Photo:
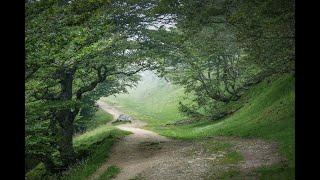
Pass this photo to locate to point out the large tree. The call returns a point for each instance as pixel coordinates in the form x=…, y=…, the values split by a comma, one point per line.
x=75, y=49
x=222, y=46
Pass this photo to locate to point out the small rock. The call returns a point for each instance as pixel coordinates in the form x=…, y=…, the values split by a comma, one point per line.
x=124, y=118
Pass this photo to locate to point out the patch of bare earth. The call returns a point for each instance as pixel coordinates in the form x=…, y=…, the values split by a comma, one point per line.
x=256, y=152
x=147, y=155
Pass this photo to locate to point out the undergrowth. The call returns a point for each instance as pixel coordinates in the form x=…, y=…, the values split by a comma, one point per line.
x=92, y=148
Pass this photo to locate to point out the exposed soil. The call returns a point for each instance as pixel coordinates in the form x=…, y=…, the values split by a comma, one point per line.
x=147, y=155
x=256, y=152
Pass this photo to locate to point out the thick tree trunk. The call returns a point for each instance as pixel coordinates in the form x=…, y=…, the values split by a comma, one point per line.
x=65, y=118
x=47, y=158
x=65, y=134
x=49, y=164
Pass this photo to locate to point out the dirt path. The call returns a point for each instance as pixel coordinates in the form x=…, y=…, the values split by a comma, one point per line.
x=147, y=155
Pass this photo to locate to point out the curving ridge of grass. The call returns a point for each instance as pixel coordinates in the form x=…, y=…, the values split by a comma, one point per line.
x=96, y=144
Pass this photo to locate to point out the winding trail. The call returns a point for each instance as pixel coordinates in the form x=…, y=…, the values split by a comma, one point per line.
x=129, y=154
x=148, y=155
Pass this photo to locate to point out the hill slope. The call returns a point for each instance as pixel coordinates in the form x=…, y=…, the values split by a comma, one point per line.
x=267, y=114
x=154, y=100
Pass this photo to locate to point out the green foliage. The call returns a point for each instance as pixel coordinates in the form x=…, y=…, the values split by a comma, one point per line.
x=99, y=118
x=188, y=111
x=220, y=46
x=266, y=30
x=76, y=51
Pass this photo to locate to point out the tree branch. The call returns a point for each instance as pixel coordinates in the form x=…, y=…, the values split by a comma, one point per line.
x=101, y=76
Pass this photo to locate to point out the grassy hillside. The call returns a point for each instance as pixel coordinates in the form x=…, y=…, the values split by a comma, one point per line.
x=154, y=100
x=268, y=114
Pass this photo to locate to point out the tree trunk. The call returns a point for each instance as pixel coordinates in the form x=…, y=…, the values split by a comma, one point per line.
x=65, y=134
x=49, y=164
x=65, y=118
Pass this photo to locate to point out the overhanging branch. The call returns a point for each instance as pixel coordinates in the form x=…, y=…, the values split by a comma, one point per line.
x=102, y=74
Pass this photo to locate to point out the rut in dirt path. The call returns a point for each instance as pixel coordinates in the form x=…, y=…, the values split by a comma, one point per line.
x=147, y=154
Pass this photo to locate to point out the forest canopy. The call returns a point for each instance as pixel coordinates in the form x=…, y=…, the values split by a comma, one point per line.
x=78, y=51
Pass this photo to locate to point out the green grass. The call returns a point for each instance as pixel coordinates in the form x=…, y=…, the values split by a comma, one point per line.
x=275, y=172
x=213, y=146
x=269, y=113
x=228, y=160
x=232, y=157
x=98, y=143
x=92, y=146
x=154, y=100
x=216, y=147
x=39, y=173
x=100, y=118
x=91, y=137
x=110, y=173
x=230, y=174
